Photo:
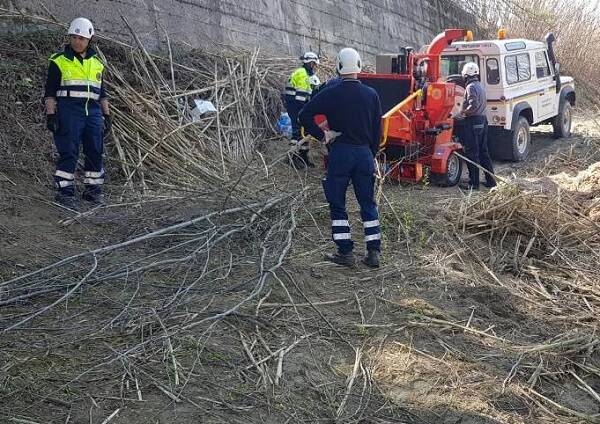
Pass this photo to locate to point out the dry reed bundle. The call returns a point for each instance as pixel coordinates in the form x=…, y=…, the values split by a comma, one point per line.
x=537, y=240
x=540, y=218
x=156, y=138
x=546, y=233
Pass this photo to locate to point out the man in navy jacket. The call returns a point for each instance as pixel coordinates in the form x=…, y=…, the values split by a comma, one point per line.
x=353, y=113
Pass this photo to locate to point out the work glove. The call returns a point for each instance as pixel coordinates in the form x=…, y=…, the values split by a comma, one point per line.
x=107, y=123
x=331, y=135
x=314, y=81
x=52, y=123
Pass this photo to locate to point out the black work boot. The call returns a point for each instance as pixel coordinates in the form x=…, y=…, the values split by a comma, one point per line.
x=468, y=186
x=345, y=259
x=372, y=259
x=490, y=184
x=95, y=198
x=67, y=200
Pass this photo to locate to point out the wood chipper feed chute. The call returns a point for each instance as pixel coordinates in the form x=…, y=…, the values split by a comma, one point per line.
x=417, y=128
x=397, y=121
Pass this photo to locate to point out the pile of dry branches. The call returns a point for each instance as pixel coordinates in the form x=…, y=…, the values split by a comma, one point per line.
x=157, y=140
x=542, y=238
x=544, y=221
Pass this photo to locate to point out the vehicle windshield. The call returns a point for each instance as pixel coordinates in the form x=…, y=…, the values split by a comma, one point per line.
x=452, y=65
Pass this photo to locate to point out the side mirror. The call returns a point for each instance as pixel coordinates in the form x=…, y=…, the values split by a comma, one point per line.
x=557, y=68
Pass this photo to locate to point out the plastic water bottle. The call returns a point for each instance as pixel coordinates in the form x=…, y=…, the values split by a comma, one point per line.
x=284, y=125
x=281, y=123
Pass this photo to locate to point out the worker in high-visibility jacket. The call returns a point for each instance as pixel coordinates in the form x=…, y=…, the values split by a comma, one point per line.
x=297, y=92
x=78, y=114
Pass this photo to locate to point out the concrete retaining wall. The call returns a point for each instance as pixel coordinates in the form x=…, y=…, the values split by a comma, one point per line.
x=286, y=27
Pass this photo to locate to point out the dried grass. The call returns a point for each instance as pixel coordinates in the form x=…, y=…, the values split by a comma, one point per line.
x=576, y=24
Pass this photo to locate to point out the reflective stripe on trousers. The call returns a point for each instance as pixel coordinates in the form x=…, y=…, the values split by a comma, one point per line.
x=76, y=130
x=348, y=163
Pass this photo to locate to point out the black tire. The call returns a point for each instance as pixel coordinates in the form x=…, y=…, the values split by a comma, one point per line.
x=452, y=175
x=499, y=143
x=521, y=140
x=563, y=121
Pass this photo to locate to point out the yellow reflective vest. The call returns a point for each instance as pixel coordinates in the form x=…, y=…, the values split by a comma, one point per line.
x=298, y=85
x=79, y=80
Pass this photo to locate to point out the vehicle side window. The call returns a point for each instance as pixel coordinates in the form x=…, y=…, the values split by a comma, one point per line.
x=492, y=71
x=453, y=64
x=518, y=68
x=542, y=69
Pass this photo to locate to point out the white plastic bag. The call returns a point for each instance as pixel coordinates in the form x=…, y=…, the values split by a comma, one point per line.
x=202, y=107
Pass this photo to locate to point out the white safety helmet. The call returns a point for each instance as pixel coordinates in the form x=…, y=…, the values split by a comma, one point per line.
x=470, y=69
x=82, y=27
x=310, y=57
x=348, y=62
x=314, y=80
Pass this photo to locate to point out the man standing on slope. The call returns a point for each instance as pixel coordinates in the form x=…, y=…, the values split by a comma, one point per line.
x=475, y=128
x=353, y=113
x=297, y=92
x=77, y=113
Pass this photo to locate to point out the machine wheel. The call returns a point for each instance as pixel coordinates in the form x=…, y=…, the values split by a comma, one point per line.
x=452, y=175
x=562, y=122
x=521, y=140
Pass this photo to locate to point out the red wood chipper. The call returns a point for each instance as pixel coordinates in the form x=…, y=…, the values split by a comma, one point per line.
x=417, y=128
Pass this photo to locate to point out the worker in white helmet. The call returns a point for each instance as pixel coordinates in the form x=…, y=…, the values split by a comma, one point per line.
x=297, y=92
x=78, y=114
x=353, y=112
x=474, y=129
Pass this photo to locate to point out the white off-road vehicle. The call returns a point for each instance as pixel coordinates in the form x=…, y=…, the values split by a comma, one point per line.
x=524, y=88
